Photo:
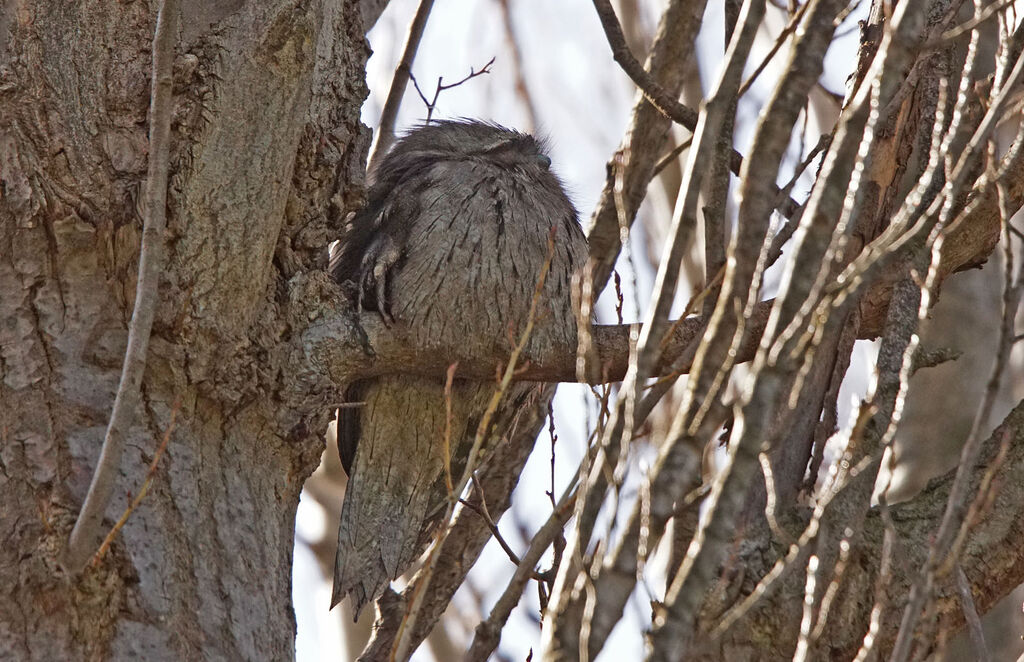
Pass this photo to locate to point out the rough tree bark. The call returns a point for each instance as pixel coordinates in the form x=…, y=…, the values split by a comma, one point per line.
x=266, y=135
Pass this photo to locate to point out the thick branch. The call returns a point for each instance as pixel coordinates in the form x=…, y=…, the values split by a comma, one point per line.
x=990, y=561
x=388, y=350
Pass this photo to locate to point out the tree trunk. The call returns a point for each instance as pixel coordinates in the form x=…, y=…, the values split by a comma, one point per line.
x=265, y=136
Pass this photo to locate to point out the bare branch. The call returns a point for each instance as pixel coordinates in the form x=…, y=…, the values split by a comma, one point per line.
x=774, y=370
x=990, y=558
x=664, y=161
x=522, y=89
x=86, y=531
x=971, y=617
x=481, y=510
x=441, y=87
x=956, y=509
x=971, y=24
x=399, y=82
x=780, y=41
x=669, y=59
x=488, y=633
x=655, y=93
x=98, y=556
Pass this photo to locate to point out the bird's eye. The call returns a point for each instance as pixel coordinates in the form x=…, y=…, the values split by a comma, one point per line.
x=544, y=161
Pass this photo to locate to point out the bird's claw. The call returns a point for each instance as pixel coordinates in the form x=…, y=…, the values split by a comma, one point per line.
x=374, y=277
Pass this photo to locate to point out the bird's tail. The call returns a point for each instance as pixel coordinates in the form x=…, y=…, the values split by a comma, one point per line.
x=396, y=487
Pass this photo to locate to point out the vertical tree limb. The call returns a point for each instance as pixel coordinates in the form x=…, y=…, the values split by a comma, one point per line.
x=385, y=136
x=86, y=530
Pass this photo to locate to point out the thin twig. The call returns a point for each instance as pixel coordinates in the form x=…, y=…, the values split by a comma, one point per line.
x=971, y=617
x=621, y=162
x=558, y=545
x=771, y=507
x=654, y=92
x=787, y=230
x=881, y=596
x=814, y=568
x=825, y=604
x=664, y=161
x=554, y=440
x=956, y=507
x=347, y=405
x=446, y=441
x=522, y=89
x=982, y=503
x=488, y=632
x=399, y=82
x=509, y=552
x=86, y=529
x=150, y=475
x=779, y=42
x=956, y=32
x=843, y=15
x=485, y=514
x=441, y=87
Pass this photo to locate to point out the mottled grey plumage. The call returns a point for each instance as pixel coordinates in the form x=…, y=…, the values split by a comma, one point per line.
x=450, y=245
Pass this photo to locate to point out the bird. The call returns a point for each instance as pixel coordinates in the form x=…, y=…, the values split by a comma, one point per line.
x=461, y=217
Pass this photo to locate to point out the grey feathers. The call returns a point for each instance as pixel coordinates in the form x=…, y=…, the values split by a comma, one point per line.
x=450, y=245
